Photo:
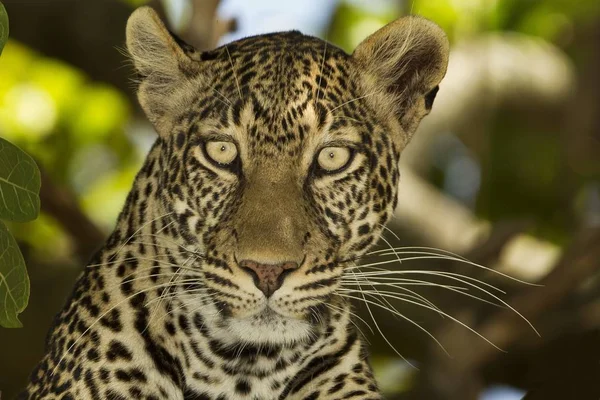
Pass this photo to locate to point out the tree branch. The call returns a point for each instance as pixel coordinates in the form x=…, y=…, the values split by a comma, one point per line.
x=447, y=378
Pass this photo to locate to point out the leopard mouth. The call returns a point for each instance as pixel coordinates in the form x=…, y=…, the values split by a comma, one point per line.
x=269, y=327
x=268, y=315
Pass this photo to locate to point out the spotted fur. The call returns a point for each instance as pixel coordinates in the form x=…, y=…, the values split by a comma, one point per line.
x=166, y=310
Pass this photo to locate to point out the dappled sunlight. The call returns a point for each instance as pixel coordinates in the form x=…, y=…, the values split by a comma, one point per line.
x=29, y=112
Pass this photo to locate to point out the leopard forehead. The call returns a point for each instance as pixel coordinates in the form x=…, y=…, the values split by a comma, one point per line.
x=273, y=91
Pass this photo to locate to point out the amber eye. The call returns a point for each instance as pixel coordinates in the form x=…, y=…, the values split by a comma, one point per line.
x=223, y=153
x=333, y=158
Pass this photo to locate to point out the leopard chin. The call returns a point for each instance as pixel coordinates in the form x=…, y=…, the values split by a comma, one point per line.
x=270, y=327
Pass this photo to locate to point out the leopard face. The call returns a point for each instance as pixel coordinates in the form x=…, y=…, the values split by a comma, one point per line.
x=279, y=160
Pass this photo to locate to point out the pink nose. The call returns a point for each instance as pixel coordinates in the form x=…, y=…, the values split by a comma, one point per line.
x=268, y=277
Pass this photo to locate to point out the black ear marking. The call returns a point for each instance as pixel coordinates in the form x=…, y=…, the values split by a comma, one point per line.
x=430, y=97
x=185, y=46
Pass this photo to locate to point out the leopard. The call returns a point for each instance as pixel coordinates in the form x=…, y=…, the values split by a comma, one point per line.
x=274, y=170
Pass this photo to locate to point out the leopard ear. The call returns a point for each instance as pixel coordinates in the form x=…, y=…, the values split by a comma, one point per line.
x=162, y=61
x=403, y=64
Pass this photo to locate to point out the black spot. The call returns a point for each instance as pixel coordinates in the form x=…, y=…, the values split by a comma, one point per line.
x=122, y=375
x=321, y=115
x=363, y=229
x=127, y=287
x=312, y=396
x=104, y=375
x=93, y=355
x=112, y=321
x=170, y=328
x=118, y=351
x=184, y=324
x=242, y=387
x=180, y=140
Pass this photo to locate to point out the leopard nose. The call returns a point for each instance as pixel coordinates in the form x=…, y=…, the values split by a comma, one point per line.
x=268, y=277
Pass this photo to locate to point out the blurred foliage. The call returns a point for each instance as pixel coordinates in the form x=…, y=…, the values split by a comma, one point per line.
x=351, y=24
x=461, y=19
x=136, y=3
x=545, y=19
x=19, y=184
x=19, y=191
x=74, y=127
x=3, y=27
x=14, y=281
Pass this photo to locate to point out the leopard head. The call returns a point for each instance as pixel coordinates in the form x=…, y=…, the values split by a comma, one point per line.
x=279, y=158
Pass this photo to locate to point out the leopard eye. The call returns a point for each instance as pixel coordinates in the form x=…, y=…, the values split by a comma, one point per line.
x=333, y=158
x=223, y=153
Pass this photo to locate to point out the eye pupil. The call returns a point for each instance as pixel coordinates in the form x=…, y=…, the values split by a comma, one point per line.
x=223, y=148
x=332, y=155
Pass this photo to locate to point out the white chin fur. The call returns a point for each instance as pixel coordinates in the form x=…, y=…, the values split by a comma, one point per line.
x=269, y=328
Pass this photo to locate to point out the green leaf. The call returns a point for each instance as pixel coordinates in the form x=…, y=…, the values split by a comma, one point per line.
x=14, y=282
x=3, y=27
x=19, y=184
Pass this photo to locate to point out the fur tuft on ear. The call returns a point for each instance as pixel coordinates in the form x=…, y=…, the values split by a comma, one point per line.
x=153, y=49
x=162, y=61
x=403, y=63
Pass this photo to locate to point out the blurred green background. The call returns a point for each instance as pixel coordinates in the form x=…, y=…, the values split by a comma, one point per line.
x=513, y=142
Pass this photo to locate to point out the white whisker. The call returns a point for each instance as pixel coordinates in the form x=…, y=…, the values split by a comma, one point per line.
x=446, y=314
x=380, y=332
x=380, y=273
x=398, y=286
x=399, y=314
x=351, y=101
x=433, y=256
x=237, y=83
